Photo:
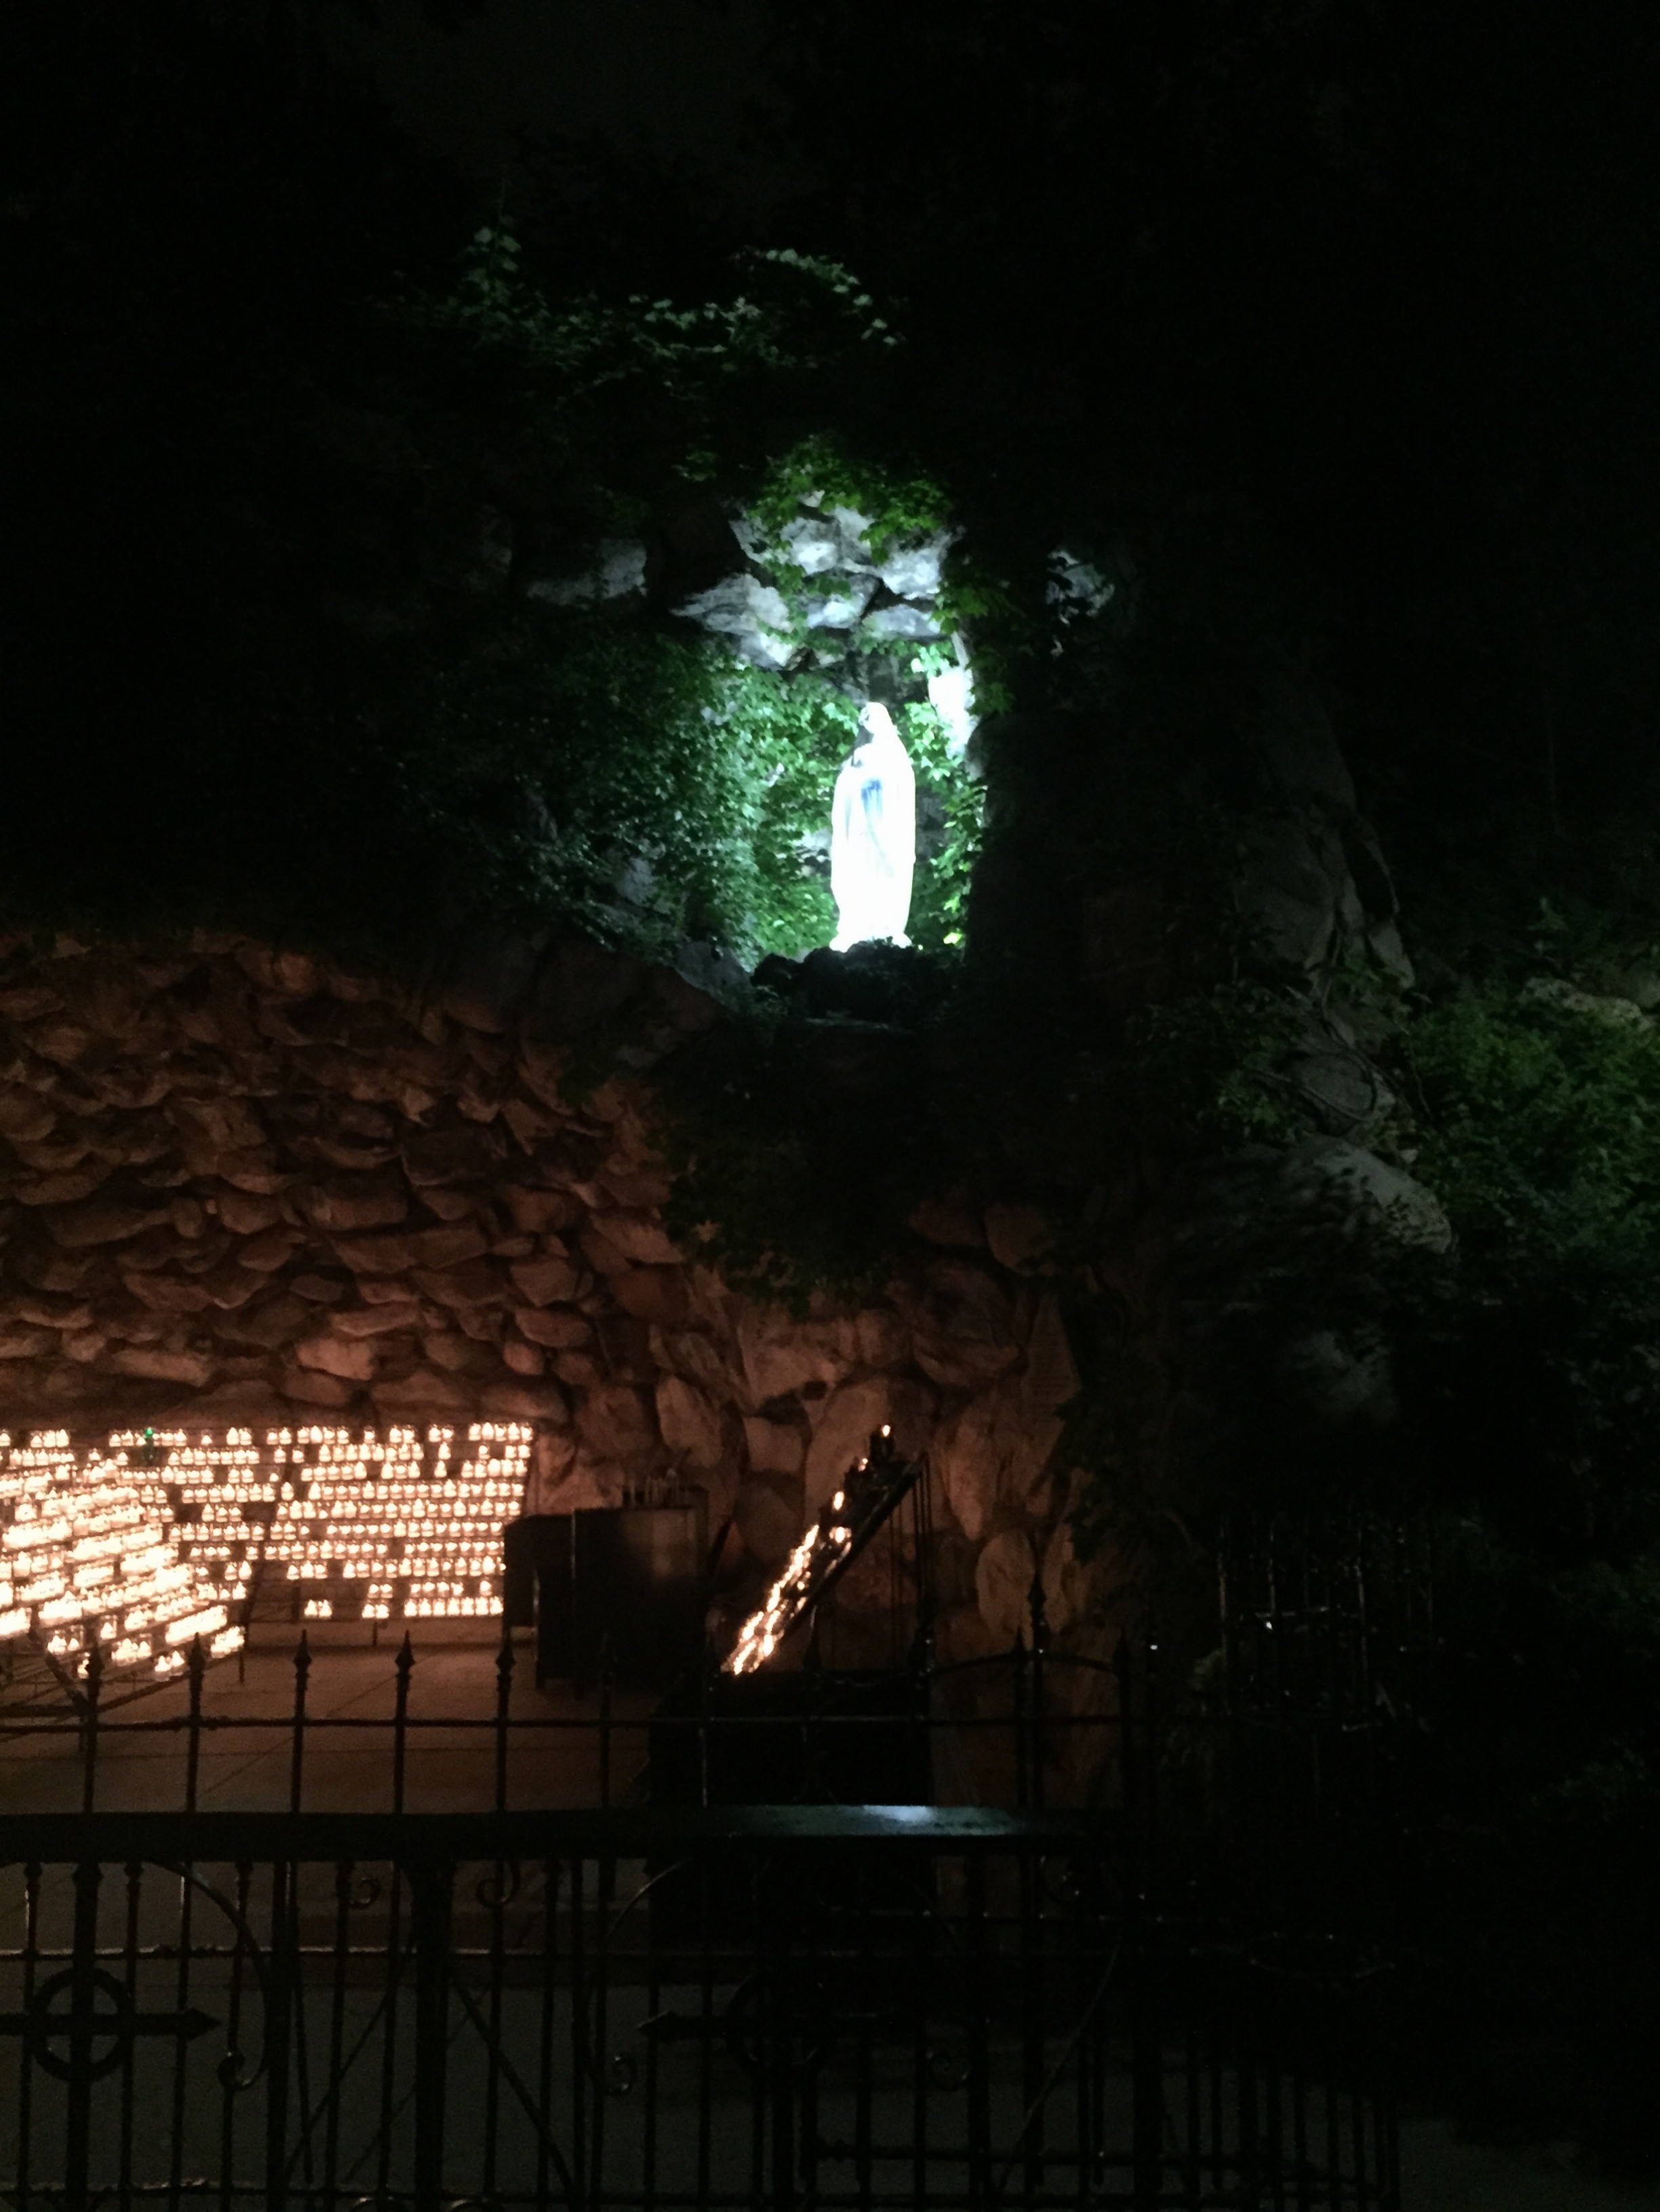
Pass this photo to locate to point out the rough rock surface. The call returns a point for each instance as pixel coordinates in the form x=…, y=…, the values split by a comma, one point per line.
x=237, y=1185
x=1314, y=879
x=858, y=609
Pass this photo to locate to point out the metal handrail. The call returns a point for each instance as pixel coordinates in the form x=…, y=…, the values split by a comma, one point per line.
x=594, y=1832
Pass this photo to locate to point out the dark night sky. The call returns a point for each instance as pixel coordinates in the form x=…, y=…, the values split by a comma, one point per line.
x=673, y=76
x=1369, y=284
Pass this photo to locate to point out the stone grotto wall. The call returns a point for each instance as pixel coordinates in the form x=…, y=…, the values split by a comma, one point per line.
x=238, y=1184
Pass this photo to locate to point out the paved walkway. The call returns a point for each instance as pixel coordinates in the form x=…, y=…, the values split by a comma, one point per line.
x=555, y=1751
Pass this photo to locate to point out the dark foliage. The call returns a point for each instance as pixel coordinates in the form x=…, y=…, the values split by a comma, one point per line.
x=1379, y=284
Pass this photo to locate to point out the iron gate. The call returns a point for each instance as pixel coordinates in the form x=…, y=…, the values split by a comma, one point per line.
x=741, y=2007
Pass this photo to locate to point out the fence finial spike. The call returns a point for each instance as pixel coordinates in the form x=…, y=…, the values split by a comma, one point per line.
x=1037, y=1600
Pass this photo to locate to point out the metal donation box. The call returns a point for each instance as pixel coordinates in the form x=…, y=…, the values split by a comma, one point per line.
x=619, y=1589
x=808, y=1738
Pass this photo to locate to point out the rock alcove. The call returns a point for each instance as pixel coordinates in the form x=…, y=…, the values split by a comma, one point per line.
x=828, y=596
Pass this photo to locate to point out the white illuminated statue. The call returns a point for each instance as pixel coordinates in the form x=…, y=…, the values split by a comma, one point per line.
x=874, y=837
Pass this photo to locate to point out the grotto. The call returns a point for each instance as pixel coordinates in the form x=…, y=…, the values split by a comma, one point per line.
x=260, y=1191
x=829, y=1006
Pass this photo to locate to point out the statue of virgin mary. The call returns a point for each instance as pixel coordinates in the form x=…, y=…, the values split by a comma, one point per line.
x=874, y=836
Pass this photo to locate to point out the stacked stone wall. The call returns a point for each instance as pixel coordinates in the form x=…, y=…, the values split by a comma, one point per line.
x=240, y=1184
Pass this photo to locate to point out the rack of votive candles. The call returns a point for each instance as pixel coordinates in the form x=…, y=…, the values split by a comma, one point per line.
x=161, y=1536
x=90, y=1555
x=407, y=1526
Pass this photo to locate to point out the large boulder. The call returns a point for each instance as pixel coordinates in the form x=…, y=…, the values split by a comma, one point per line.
x=1049, y=1380
x=1338, y=1375
x=992, y=1457
x=1312, y=877
x=774, y=1447
x=619, y=1423
x=782, y=1355
x=1003, y=1577
x=753, y=616
x=963, y=1327
x=689, y=1422
x=1371, y=1198
x=769, y=1519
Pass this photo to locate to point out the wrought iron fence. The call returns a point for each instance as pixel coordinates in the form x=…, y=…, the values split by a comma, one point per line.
x=1172, y=1991
x=1318, y=1689
x=996, y=1729
x=733, y=2008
